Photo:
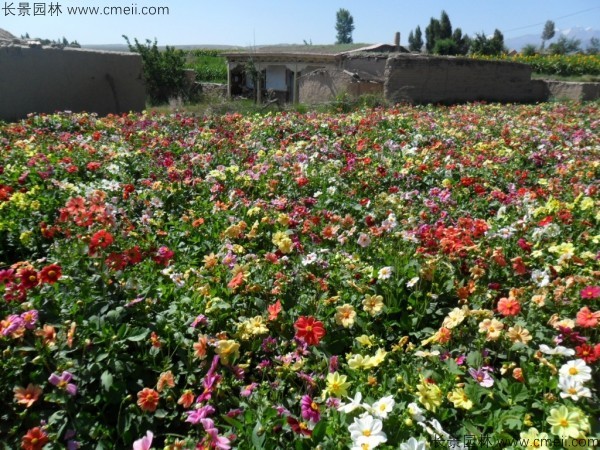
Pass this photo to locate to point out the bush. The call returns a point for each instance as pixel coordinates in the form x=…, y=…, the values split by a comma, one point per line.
x=164, y=71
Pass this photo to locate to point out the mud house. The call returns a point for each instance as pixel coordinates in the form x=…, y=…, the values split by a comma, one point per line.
x=307, y=73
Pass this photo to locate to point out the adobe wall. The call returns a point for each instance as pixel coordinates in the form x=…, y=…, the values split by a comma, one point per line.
x=373, y=65
x=568, y=90
x=45, y=80
x=434, y=79
x=324, y=85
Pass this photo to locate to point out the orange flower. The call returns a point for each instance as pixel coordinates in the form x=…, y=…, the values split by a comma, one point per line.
x=165, y=379
x=509, y=306
x=155, y=340
x=200, y=347
x=48, y=335
x=148, y=399
x=27, y=396
x=444, y=335
x=35, y=439
x=586, y=318
x=517, y=374
x=274, y=310
x=236, y=281
x=186, y=399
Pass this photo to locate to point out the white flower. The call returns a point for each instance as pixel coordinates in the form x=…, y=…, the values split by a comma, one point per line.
x=412, y=282
x=367, y=430
x=310, y=258
x=541, y=278
x=558, y=350
x=573, y=389
x=576, y=370
x=384, y=273
x=364, y=240
x=413, y=444
x=415, y=412
x=382, y=407
x=354, y=403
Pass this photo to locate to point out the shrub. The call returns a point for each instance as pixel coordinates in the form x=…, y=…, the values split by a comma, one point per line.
x=163, y=70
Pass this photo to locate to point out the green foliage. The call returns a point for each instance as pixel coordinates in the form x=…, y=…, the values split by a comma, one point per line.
x=344, y=26
x=562, y=65
x=549, y=32
x=415, y=40
x=529, y=50
x=445, y=47
x=163, y=70
x=564, y=46
x=483, y=45
x=209, y=65
x=594, y=46
x=442, y=41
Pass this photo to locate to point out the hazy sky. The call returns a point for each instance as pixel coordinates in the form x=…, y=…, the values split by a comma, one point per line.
x=249, y=22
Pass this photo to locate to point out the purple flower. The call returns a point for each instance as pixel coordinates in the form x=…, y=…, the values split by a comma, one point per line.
x=310, y=409
x=62, y=382
x=14, y=323
x=29, y=319
x=196, y=416
x=333, y=364
x=215, y=441
x=200, y=320
x=247, y=391
x=482, y=377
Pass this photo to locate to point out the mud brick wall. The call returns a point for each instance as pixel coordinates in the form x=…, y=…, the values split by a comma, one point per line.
x=430, y=79
x=45, y=80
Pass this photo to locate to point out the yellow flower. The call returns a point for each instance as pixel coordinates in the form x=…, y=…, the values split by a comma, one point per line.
x=455, y=317
x=460, y=399
x=378, y=358
x=252, y=327
x=358, y=361
x=586, y=203
x=492, y=328
x=519, y=334
x=365, y=340
x=283, y=242
x=345, y=315
x=337, y=384
x=373, y=304
x=227, y=350
x=564, y=422
x=534, y=438
x=429, y=395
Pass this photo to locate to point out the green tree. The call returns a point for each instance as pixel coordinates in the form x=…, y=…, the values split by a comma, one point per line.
x=415, y=40
x=164, y=71
x=445, y=26
x=445, y=47
x=344, y=26
x=483, y=45
x=463, y=42
x=594, y=46
x=432, y=33
x=548, y=33
x=564, y=46
x=529, y=50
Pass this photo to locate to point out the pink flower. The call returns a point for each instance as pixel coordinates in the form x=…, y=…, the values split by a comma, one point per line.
x=310, y=409
x=62, y=382
x=590, y=292
x=586, y=318
x=214, y=440
x=196, y=416
x=482, y=377
x=144, y=443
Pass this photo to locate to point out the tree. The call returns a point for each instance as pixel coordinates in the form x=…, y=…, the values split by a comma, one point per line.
x=415, y=40
x=344, y=26
x=564, y=46
x=445, y=26
x=432, y=33
x=164, y=72
x=529, y=50
x=593, y=46
x=483, y=45
x=548, y=33
x=463, y=42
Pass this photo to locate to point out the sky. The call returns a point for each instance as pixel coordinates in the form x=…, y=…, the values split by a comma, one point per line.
x=260, y=22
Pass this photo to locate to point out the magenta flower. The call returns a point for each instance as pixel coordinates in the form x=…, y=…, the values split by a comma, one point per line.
x=14, y=323
x=214, y=440
x=144, y=443
x=482, y=377
x=310, y=409
x=196, y=416
x=62, y=382
x=590, y=292
x=30, y=319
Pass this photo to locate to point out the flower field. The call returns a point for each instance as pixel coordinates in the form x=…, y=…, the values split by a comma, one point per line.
x=393, y=278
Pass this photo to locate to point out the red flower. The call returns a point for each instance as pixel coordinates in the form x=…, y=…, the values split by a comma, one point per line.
x=509, y=306
x=309, y=330
x=50, y=274
x=101, y=239
x=299, y=427
x=586, y=318
x=35, y=439
x=588, y=353
x=590, y=292
x=29, y=278
x=148, y=399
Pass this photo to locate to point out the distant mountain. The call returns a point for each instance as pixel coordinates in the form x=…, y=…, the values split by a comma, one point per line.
x=583, y=34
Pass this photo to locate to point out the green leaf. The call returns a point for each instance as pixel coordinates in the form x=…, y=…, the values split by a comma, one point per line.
x=106, y=379
x=138, y=337
x=233, y=422
x=258, y=436
x=319, y=431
